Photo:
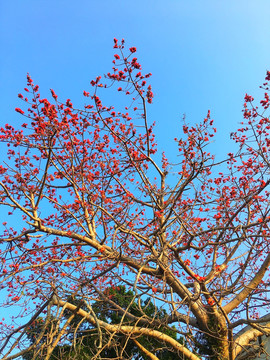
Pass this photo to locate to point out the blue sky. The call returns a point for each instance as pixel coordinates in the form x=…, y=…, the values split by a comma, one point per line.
x=203, y=54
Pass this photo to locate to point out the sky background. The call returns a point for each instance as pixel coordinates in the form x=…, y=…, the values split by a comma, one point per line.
x=202, y=54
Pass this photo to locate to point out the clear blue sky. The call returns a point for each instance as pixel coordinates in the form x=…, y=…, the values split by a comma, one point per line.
x=203, y=54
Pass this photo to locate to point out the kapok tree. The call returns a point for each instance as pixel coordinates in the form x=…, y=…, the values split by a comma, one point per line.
x=92, y=205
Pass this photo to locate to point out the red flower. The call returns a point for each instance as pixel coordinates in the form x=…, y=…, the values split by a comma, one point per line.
x=159, y=213
x=149, y=94
x=19, y=111
x=248, y=98
x=117, y=56
x=217, y=216
x=54, y=94
x=2, y=171
x=132, y=49
x=211, y=301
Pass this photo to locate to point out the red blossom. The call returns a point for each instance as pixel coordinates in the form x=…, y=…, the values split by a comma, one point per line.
x=248, y=98
x=2, y=169
x=53, y=94
x=19, y=110
x=217, y=216
x=210, y=301
x=149, y=94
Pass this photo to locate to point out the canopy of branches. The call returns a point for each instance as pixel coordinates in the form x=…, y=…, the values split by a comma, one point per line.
x=90, y=204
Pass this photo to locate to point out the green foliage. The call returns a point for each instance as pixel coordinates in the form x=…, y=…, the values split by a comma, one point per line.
x=84, y=338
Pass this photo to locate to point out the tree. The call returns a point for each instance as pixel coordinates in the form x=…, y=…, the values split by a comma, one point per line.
x=85, y=336
x=97, y=207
